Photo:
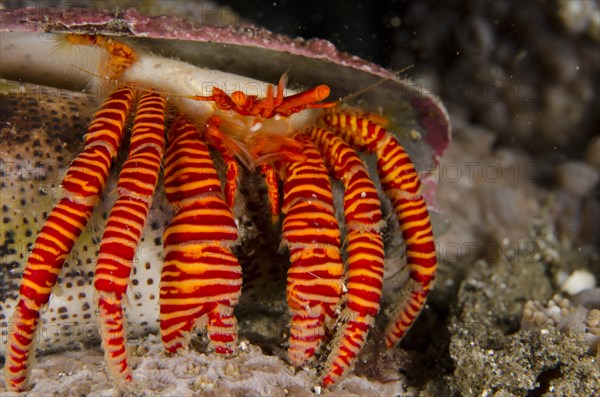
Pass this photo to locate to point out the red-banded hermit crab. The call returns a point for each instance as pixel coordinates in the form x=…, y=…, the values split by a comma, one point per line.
x=206, y=118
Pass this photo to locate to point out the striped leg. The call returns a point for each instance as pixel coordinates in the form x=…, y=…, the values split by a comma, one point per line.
x=401, y=183
x=267, y=150
x=83, y=184
x=201, y=278
x=216, y=139
x=362, y=211
x=124, y=228
x=272, y=191
x=311, y=233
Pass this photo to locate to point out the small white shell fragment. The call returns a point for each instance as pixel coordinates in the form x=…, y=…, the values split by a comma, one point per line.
x=415, y=135
x=578, y=281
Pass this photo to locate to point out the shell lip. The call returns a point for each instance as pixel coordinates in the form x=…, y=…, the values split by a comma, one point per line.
x=133, y=23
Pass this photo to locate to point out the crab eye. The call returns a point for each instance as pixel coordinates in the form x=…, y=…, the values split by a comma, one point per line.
x=239, y=98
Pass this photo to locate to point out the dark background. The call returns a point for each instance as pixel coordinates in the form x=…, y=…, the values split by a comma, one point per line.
x=515, y=67
x=368, y=29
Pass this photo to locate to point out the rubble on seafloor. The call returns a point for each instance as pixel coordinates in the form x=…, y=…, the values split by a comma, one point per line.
x=251, y=373
x=574, y=316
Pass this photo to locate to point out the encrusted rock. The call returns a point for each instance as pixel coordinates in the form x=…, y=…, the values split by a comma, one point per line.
x=562, y=314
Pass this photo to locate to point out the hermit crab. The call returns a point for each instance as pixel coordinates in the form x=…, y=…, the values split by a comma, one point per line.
x=203, y=123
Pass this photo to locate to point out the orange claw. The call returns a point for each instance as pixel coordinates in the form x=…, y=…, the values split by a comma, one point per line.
x=270, y=106
x=305, y=100
x=221, y=99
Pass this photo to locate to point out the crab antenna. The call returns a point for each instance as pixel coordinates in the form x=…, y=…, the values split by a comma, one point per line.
x=130, y=84
x=375, y=84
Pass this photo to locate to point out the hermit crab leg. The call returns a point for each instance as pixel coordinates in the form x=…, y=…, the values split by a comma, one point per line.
x=268, y=171
x=216, y=139
x=311, y=233
x=275, y=150
x=83, y=184
x=201, y=278
x=362, y=210
x=401, y=183
x=122, y=234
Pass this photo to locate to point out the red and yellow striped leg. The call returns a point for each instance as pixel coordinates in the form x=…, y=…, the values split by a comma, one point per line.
x=268, y=150
x=311, y=233
x=215, y=138
x=362, y=211
x=124, y=228
x=201, y=278
x=272, y=183
x=83, y=184
x=401, y=183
